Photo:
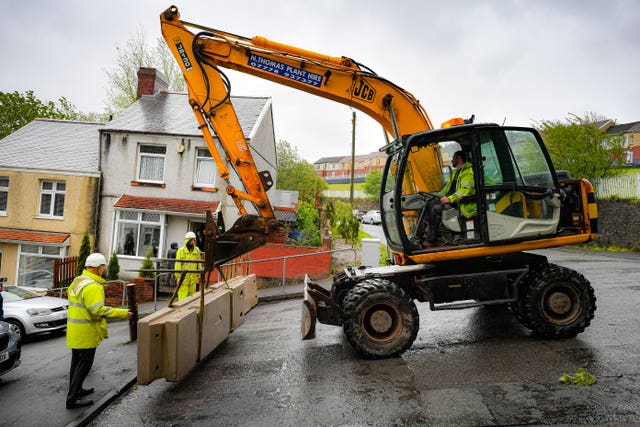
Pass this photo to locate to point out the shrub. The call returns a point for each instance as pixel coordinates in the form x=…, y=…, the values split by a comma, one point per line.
x=308, y=225
x=113, y=269
x=85, y=251
x=147, y=264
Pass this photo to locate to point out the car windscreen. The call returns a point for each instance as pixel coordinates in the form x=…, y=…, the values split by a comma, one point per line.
x=17, y=294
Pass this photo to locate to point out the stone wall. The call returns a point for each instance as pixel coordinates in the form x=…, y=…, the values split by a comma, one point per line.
x=619, y=223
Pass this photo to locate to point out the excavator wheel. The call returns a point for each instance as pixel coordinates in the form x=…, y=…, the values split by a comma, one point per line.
x=558, y=302
x=379, y=319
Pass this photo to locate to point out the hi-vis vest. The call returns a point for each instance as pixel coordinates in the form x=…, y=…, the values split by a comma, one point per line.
x=86, y=320
x=465, y=190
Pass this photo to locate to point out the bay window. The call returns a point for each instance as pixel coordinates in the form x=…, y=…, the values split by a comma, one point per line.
x=138, y=232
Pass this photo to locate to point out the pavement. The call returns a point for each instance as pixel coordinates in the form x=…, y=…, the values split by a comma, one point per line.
x=144, y=309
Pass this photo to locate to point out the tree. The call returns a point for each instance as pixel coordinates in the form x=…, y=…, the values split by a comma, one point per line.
x=113, y=269
x=295, y=174
x=373, y=183
x=85, y=251
x=18, y=109
x=580, y=148
x=123, y=77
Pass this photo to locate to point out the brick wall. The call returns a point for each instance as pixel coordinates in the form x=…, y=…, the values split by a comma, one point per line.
x=619, y=223
x=315, y=265
x=113, y=293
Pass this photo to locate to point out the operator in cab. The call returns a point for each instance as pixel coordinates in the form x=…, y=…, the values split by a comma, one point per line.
x=457, y=192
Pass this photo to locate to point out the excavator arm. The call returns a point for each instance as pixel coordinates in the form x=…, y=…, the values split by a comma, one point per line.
x=201, y=52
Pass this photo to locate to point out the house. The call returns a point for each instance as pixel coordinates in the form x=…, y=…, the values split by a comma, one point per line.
x=337, y=169
x=630, y=133
x=49, y=180
x=159, y=177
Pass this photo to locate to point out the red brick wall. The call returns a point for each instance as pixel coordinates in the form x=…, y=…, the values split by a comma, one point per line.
x=315, y=265
x=113, y=293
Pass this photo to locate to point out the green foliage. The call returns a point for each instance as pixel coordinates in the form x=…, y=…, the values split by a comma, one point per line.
x=331, y=213
x=18, y=109
x=336, y=210
x=349, y=228
x=373, y=183
x=122, y=79
x=147, y=264
x=579, y=147
x=308, y=225
x=582, y=377
x=85, y=251
x=113, y=269
x=295, y=174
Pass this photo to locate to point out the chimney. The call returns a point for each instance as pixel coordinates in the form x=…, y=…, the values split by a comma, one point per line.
x=151, y=81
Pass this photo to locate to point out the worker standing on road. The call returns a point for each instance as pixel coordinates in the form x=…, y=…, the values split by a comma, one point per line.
x=188, y=252
x=87, y=325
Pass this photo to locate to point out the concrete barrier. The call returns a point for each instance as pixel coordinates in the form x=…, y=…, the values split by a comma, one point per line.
x=168, y=339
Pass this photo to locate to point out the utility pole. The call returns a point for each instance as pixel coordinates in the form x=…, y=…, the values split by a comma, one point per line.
x=353, y=155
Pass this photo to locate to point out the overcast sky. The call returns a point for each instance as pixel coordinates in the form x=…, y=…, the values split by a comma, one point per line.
x=511, y=61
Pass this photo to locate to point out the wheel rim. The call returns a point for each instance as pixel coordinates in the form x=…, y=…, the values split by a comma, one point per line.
x=381, y=322
x=561, y=304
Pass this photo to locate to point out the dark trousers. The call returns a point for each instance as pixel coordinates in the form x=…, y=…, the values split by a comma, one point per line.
x=435, y=216
x=81, y=362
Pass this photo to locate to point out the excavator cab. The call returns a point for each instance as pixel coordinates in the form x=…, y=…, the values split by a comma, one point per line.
x=516, y=190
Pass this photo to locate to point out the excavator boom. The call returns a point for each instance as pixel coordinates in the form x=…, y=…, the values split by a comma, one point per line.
x=202, y=51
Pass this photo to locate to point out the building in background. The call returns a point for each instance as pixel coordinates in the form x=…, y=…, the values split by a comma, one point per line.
x=159, y=177
x=630, y=133
x=337, y=169
x=49, y=181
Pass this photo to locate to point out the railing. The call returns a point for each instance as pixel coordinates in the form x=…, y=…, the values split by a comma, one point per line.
x=623, y=186
x=284, y=261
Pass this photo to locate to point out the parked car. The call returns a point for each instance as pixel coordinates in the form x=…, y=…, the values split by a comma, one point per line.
x=10, y=347
x=33, y=313
x=358, y=213
x=372, y=217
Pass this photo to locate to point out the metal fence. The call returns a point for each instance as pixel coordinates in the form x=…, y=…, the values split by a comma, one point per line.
x=284, y=261
x=624, y=186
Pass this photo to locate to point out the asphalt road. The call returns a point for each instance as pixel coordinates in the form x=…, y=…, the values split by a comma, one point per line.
x=374, y=231
x=34, y=394
x=470, y=367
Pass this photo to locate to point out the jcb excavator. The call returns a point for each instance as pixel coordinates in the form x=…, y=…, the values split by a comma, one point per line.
x=522, y=203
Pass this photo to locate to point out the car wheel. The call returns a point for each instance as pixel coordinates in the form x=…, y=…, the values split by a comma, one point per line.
x=379, y=319
x=19, y=325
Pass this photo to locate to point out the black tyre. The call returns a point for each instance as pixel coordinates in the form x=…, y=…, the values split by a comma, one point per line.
x=18, y=324
x=379, y=319
x=558, y=302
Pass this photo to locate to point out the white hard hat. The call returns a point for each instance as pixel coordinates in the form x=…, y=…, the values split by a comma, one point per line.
x=95, y=260
x=190, y=235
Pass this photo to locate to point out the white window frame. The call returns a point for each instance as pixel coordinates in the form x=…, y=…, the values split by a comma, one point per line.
x=141, y=155
x=62, y=252
x=140, y=222
x=4, y=189
x=54, y=192
x=204, y=159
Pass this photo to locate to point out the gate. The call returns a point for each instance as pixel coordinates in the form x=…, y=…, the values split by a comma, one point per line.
x=64, y=271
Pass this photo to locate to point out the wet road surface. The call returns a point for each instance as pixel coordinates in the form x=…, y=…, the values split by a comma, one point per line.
x=469, y=367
